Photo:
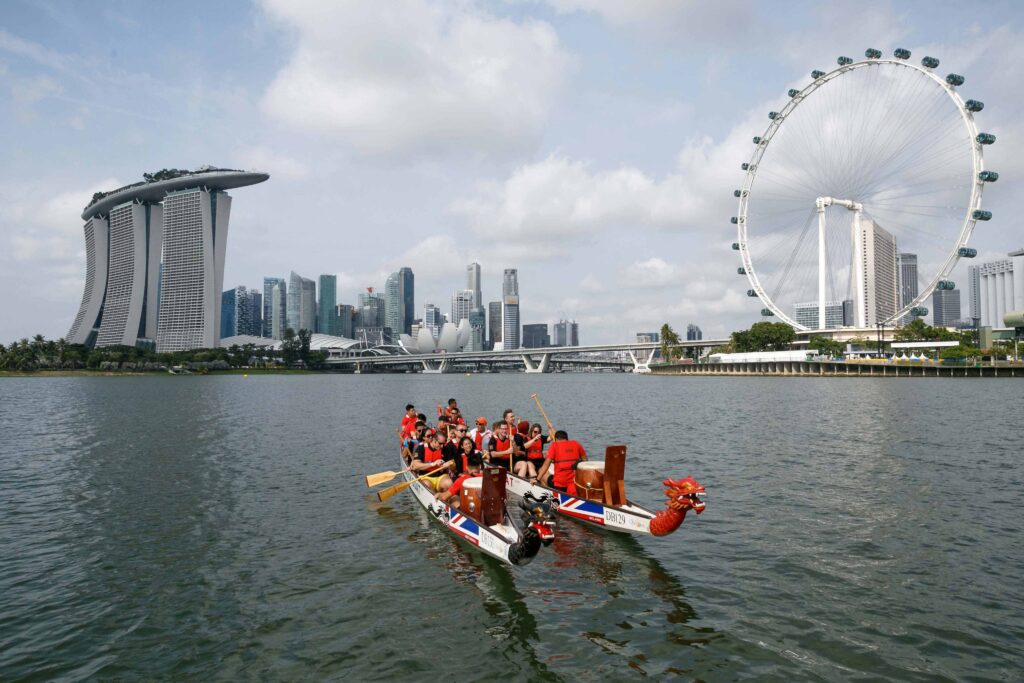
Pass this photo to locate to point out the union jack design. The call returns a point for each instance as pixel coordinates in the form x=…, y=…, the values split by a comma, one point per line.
x=587, y=510
x=464, y=526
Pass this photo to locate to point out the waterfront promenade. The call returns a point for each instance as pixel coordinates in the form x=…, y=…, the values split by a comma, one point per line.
x=830, y=368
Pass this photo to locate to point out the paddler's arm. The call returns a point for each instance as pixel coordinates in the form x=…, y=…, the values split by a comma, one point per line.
x=543, y=469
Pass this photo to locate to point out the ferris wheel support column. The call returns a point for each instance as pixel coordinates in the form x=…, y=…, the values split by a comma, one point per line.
x=821, y=203
x=859, y=317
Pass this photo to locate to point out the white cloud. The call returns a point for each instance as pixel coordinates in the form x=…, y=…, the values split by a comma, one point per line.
x=652, y=273
x=277, y=165
x=413, y=77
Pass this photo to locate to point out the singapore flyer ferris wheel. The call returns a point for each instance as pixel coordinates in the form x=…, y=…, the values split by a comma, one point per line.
x=862, y=194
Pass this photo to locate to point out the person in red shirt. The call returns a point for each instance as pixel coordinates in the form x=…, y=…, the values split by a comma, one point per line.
x=559, y=468
x=500, y=448
x=535, y=443
x=427, y=457
x=408, y=420
x=474, y=462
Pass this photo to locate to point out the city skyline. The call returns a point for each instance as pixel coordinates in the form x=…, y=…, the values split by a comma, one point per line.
x=608, y=188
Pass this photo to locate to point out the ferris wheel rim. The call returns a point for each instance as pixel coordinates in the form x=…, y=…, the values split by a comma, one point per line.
x=966, y=227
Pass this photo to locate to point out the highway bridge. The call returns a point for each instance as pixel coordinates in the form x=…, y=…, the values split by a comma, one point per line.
x=625, y=357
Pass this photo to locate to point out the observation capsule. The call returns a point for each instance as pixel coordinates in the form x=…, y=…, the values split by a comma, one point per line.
x=757, y=139
x=955, y=79
x=988, y=176
x=919, y=311
x=946, y=284
x=872, y=53
x=735, y=246
x=737, y=193
x=751, y=292
x=843, y=61
x=741, y=271
x=767, y=312
x=981, y=215
x=986, y=138
x=735, y=220
x=793, y=92
x=817, y=74
x=745, y=166
x=772, y=115
x=900, y=53
x=974, y=105
x=967, y=252
x=930, y=63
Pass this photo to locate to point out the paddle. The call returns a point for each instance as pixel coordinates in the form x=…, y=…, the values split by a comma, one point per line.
x=381, y=477
x=384, y=494
x=551, y=429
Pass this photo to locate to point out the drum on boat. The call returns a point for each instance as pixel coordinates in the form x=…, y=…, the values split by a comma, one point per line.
x=590, y=480
x=469, y=497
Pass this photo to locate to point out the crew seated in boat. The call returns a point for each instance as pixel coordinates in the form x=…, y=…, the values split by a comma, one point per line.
x=427, y=457
x=534, y=444
x=501, y=447
x=455, y=416
x=474, y=466
x=410, y=443
x=564, y=454
x=466, y=448
x=452, y=449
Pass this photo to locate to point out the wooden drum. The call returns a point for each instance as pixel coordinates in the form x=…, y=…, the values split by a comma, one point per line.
x=590, y=480
x=469, y=497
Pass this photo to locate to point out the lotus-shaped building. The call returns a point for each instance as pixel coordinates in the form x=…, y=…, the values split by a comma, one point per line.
x=452, y=339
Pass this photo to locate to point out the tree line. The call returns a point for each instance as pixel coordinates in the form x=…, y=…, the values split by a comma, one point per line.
x=39, y=353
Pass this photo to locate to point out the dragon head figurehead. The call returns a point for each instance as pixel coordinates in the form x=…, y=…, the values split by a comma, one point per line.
x=683, y=495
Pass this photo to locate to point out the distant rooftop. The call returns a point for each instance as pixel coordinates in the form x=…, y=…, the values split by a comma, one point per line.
x=1019, y=252
x=156, y=185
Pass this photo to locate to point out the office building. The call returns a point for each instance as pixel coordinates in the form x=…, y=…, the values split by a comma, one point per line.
x=946, y=307
x=907, y=264
x=433, y=321
x=155, y=261
x=693, y=333
x=345, y=315
x=493, y=323
x=407, y=293
x=462, y=305
x=255, y=313
x=510, y=283
x=566, y=333
x=997, y=287
x=477, y=330
x=268, y=291
x=301, y=308
x=326, y=315
x=974, y=294
x=648, y=337
x=236, y=312
x=473, y=283
x=806, y=314
x=510, y=321
x=877, y=276
x=536, y=336
x=394, y=316
x=278, y=308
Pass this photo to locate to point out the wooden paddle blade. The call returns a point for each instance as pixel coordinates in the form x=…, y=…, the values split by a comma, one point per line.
x=384, y=494
x=379, y=478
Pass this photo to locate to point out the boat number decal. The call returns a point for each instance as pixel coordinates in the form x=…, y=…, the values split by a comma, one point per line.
x=489, y=542
x=614, y=517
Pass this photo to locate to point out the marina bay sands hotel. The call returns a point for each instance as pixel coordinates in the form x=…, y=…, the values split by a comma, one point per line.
x=155, y=261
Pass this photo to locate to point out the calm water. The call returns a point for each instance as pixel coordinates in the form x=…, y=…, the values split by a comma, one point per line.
x=218, y=528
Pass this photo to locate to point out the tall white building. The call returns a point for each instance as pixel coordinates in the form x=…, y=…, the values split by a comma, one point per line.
x=510, y=329
x=278, y=321
x=510, y=283
x=877, y=275
x=301, y=309
x=996, y=288
x=473, y=283
x=462, y=305
x=432, y=319
x=394, y=316
x=807, y=314
x=155, y=260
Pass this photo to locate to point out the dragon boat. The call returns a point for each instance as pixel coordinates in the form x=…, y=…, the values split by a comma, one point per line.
x=483, y=519
x=601, y=497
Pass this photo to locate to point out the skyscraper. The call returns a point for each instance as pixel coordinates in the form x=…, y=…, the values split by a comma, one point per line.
x=301, y=310
x=432, y=319
x=510, y=283
x=494, y=323
x=394, y=316
x=907, y=271
x=566, y=333
x=974, y=293
x=407, y=291
x=268, y=300
x=477, y=327
x=694, y=333
x=510, y=322
x=807, y=315
x=278, y=319
x=999, y=288
x=473, y=283
x=535, y=336
x=326, y=315
x=255, y=314
x=155, y=260
x=346, y=317
x=462, y=305
x=236, y=312
x=945, y=307
x=876, y=275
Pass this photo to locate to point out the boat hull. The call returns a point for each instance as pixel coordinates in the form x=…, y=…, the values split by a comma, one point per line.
x=627, y=518
x=503, y=541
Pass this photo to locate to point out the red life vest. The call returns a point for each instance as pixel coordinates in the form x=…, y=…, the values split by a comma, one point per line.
x=536, y=450
x=431, y=455
x=565, y=454
x=500, y=445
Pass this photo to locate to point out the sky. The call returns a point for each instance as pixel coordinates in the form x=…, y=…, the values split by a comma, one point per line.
x=592, y=144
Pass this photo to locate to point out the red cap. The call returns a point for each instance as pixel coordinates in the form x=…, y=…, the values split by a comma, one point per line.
x=481, y=420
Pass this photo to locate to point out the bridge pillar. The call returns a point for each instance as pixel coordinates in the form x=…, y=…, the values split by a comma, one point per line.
x=536, y=367
x=641, y=367
x=434, y=367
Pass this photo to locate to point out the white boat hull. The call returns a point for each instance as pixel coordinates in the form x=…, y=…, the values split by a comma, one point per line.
x=627, y=518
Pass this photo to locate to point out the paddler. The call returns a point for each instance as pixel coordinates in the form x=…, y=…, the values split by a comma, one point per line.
x=499, y=450
x=408, y=420
x=565, y=454
x=474, y=462
x=480, y=434
x=427, y=457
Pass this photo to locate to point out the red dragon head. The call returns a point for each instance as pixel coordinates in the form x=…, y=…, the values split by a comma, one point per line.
x=685, y=494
